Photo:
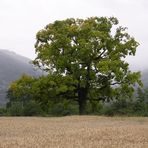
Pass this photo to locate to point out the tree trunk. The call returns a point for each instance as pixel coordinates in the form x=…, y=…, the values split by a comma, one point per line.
x=82, y=100
x=83, y=93
x=82, y=107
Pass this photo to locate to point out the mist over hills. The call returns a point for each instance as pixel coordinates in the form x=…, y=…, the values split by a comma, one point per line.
x=12, y=66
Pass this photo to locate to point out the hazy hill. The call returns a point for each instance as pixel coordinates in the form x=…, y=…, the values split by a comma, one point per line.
x=12, y=66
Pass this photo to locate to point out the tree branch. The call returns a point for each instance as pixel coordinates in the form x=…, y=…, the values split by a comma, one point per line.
x=97, y=58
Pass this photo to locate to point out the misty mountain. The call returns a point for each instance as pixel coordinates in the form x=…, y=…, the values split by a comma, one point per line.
x=12, y=66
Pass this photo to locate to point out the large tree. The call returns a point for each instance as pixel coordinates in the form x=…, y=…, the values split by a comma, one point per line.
x=92, y=52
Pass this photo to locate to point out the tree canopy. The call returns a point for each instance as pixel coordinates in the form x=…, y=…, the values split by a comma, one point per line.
x=91, y=53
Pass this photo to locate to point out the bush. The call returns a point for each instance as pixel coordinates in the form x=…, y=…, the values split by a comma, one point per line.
x=32, y=108
x=94, y=107
x=63, y=108
x=16, y=109
x=126, y=108
x=3, y=111
x=107, y=110
x=29, y=109
x=140, y=108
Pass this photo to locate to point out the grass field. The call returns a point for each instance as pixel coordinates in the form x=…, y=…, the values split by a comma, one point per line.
x=73, y=132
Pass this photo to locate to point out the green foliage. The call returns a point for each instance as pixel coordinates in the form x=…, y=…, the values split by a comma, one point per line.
x=16, y=109
x=21, y=97
x=85, y=61
x=94, y=107
x=3, y=112
x=53, y=88
x=125, y=108
x=29, y=109
x=63, y=108
x=21, y=90
x=32, y=109
x=91, y=55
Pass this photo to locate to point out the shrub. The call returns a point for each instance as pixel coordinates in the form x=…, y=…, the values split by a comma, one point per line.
x=63, y=108
x=32, y=108
x=3, y=111
x=16, y=109
x=94, y=107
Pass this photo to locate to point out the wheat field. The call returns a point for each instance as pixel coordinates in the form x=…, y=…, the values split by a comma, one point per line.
x=73, y=132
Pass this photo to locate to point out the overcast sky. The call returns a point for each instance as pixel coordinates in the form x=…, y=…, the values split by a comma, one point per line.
x=20, y=20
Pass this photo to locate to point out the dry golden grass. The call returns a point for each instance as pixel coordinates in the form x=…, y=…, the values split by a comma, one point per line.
x=73, y=132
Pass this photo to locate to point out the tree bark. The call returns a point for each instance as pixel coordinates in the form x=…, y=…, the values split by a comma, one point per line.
x=82, y=107
x=83, y=93
x=82, y=100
